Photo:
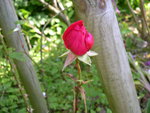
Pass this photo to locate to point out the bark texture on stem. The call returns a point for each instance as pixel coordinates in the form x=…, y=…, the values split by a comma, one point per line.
x=15, y=39
x=112, y=61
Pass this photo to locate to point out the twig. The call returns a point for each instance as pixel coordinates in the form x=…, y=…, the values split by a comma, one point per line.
x=144, y=22
x=41, y=47
x=139, y=70
x=43, y=35
x=51, y=20
x=134, y=16
x=60, y=5
x=57, y=11
x=55, y=3
x=28, y=42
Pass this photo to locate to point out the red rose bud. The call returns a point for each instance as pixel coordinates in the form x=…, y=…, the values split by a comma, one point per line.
x=77, y=39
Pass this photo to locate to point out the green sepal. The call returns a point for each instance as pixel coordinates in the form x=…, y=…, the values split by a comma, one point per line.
x=86, y=59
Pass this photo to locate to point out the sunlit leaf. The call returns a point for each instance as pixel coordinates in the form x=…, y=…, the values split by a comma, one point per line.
x=92, y=53
x=86, y=59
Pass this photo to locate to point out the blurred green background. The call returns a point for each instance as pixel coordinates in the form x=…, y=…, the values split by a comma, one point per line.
x=38, y=22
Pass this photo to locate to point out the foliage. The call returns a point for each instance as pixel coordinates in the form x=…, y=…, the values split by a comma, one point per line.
x=58, y=87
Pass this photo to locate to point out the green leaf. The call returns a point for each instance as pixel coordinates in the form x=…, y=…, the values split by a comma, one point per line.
x=129, y=42
x=24, y=13
x=23, y=110
x=108, y=110
x=92, y=111
x=18, y=56
x=148, y=106
x=86, y=59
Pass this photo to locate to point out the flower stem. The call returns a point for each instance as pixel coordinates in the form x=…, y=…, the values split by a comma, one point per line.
x=76, y=88
x=79, y=69
x=76, y=100
x=79, y=87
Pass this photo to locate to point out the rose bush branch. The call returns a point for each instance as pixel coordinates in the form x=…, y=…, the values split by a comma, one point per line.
x=64, y=17
x=145, y=29
x=134, y=16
